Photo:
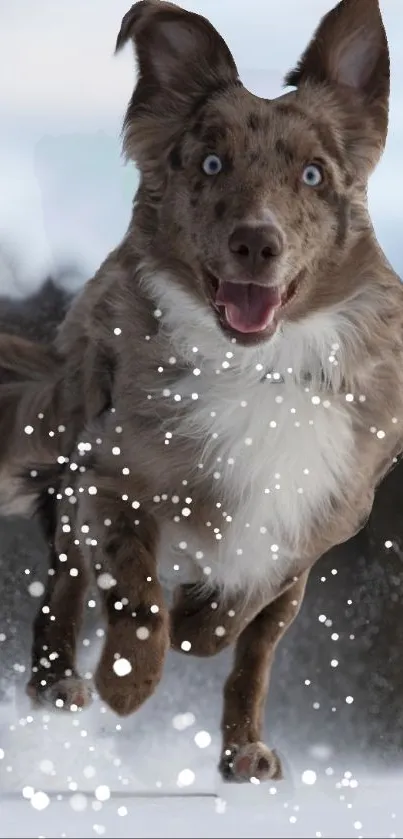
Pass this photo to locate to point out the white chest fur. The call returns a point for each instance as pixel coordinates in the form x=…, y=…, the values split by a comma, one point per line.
x=273, y=454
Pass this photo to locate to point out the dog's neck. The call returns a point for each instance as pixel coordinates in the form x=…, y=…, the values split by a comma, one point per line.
x=311, y=352
x=324, y=347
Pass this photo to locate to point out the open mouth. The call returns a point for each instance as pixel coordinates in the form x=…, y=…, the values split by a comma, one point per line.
x=249, y=308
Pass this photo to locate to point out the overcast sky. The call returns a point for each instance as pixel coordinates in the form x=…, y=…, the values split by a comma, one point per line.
x=65, y=194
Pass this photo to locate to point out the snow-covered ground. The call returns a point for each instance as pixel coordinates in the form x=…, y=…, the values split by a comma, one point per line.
x=335, y=715
x=65, y=199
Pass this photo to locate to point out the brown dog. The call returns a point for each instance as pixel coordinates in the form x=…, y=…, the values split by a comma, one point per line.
x=228, y=390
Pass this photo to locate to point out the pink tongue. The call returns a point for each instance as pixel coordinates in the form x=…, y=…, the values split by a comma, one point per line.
x=249, y=307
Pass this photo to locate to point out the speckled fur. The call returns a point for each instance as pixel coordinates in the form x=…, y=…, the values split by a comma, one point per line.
x=187, y=437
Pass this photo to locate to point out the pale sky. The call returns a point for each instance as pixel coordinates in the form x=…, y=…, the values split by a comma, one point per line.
x=64, y=192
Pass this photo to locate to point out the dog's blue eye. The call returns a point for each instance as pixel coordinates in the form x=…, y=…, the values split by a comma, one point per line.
x=212, y=164
x=312, y=175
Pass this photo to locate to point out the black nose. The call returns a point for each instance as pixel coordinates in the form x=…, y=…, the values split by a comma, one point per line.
x=255, y=245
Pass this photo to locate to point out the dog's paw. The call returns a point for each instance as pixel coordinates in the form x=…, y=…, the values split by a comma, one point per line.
x=241, y=764
x=131, y=665
x=124, y=695
x=70, y=693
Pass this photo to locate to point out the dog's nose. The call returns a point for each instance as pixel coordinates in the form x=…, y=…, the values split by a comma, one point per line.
x=254, y=246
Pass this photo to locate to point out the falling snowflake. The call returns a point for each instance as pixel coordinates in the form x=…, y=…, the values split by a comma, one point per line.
x=102, y=793
x=78, y=802
x=182, y=721
x=308, y=777
x=122, y=667
x=202, y=739
x=36, y=589
x=106, y=581
x=39, y=800
x=185, y=778
x=47, y=767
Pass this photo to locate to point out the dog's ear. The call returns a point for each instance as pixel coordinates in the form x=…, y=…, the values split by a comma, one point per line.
x=181, y=60
x=176, y=50
x=350, y=49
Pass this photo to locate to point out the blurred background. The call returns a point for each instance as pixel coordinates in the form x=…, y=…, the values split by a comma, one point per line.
x=65, y=194
x=335, y=712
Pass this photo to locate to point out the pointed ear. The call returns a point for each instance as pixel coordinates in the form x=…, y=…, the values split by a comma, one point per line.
x=350, y=49
x=168, y=40
x=181, y=60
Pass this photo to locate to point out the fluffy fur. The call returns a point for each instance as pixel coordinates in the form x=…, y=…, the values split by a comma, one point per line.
x=195, y=448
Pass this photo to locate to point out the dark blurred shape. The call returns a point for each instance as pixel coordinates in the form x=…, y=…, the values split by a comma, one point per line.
x=38, y=315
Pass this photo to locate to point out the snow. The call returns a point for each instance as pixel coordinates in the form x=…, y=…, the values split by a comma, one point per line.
x=154, y=774
x=65, y=200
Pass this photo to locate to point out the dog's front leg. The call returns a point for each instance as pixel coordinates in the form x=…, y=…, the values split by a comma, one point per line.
x=244, y=755
x=122, y=543
x=256, y=625
x=210, y=621
x=54, y=678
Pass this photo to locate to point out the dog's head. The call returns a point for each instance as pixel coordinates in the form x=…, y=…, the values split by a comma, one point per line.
x=255, y=202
